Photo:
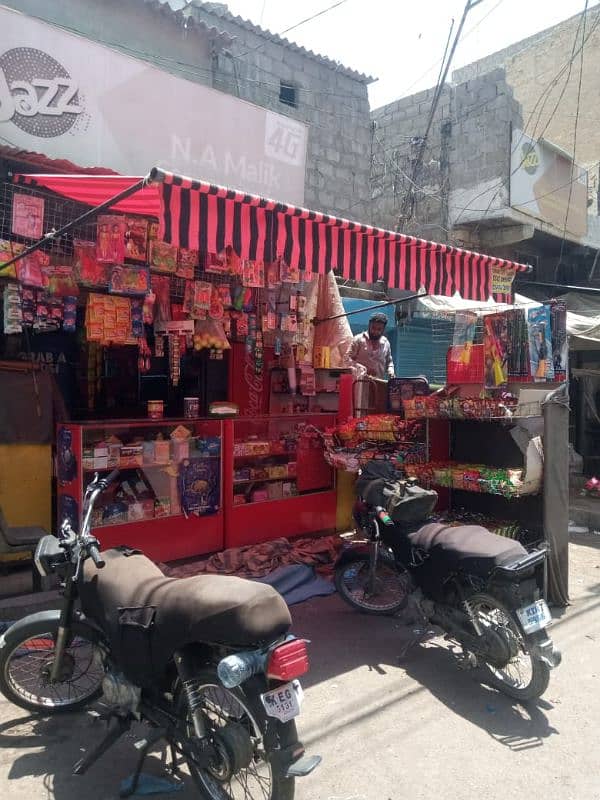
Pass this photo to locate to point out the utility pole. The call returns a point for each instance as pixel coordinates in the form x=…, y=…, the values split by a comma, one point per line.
x=409, y=198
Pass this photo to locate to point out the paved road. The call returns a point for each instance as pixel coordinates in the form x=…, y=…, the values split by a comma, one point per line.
x=387, y=729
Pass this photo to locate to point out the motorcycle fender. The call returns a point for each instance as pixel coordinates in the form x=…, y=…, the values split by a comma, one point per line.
x=51, y=618
x=541, y=646
x=359, y=551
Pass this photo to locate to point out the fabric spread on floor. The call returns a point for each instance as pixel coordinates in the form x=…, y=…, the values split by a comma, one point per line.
x=258, y=560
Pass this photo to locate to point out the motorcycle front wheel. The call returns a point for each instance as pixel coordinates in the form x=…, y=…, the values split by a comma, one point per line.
x=243, y=769
x=385, y=595
x=26, y=663
x=523, y=677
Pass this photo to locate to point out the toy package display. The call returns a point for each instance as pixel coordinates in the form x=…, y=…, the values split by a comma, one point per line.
x=13, y=313
x=134, y=281
x=89, y=271
x=540, y=343
x=28, y=216
x=497, y=347
x=8, y=250
x=163, y=257
x=136, y=238
x=110, y=242
x=199, y=486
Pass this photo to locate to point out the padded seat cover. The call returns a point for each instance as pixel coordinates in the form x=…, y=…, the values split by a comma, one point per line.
x=205, y=608
x=468, y=547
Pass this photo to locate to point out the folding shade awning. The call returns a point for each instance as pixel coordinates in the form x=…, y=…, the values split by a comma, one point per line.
x=203, y=216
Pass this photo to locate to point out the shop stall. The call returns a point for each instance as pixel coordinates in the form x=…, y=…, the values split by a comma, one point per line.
x=493, y=440
x=196, y=341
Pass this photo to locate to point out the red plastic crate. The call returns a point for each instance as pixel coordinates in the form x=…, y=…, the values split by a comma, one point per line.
x=465, y=373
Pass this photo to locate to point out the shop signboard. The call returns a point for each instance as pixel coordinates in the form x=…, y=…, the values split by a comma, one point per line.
x=545, y=183
x=68, y=97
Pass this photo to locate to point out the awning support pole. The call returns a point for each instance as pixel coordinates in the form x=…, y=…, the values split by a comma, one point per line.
x=375, y=306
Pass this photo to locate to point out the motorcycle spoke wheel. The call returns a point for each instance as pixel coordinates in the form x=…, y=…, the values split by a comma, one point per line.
x=523, y=676
x=28, y=666
x=241, y=771
x=387, y=594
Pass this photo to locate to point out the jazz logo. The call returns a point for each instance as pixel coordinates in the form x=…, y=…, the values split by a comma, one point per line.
x=36, y=93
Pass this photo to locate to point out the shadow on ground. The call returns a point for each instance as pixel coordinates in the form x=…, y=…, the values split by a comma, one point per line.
x=380, y=644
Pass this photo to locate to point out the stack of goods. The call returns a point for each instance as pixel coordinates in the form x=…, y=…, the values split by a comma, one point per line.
x=109, y=320
x=13, y=313
x=375, y=437
x=470, y=477
x=438, y=406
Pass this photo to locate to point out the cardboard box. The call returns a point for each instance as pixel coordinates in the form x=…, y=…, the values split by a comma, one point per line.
x=162, y=451
x=279, y=471
x=101, y=462
x=259, y=495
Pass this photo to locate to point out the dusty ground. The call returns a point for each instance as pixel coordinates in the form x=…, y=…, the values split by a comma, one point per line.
x=387, y=729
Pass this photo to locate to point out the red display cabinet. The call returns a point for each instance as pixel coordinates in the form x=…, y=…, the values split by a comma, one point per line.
x=276, y=480
x=167, y=500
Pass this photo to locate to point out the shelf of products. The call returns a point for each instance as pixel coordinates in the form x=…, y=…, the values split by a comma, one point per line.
x=475, y=478
x=280, y=483
x=317, y=390
x=169, y=476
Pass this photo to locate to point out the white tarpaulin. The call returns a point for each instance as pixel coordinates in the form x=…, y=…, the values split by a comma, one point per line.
x=583, y=313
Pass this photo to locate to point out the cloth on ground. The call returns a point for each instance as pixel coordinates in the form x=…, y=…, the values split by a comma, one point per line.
x=258, y=560
x=297, y=583
x=151, y=784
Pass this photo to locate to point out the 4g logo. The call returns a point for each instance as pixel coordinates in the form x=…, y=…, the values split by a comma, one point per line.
x=37, y=93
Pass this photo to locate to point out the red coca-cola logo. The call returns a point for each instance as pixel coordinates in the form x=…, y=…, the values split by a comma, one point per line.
x=37, y=93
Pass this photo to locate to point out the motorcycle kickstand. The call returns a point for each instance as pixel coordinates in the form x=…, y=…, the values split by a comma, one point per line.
x=144, y=746
x=113, y=735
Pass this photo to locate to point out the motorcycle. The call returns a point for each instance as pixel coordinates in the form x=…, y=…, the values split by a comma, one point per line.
x=481, y=589
x=207, y=662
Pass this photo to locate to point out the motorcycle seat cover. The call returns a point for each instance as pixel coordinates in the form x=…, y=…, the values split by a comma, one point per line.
x=205, y=608
x=471, y=548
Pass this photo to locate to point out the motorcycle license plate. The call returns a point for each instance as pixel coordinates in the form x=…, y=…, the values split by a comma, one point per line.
x=284, y=702
x=535, y=616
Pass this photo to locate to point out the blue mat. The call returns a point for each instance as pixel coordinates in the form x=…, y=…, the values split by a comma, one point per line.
x=297, y=583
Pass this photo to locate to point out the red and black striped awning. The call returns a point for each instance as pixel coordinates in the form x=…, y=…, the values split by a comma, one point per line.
x=207, y=217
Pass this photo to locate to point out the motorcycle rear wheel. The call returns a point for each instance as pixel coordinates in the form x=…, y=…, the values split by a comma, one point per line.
x=392, y=586
x=25, y=665
x=524, y=677
x=239, y=725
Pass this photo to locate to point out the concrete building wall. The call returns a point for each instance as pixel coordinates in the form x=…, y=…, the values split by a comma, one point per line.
x=332, y=100
x=540, y=67
x=466, y=163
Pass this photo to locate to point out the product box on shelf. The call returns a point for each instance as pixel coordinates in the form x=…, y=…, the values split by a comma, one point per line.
x=114, y=454
x=143, y=509
x=275, y=491
x=132, y=455
x=181, y=449
x=162, y=507
x=162, y=451
x=259, y=473
x=208, y=446
x=287, y=489
x=239, y=499
x=278, y=471
x=258, y=495
x=292, y=469
x=243, y=474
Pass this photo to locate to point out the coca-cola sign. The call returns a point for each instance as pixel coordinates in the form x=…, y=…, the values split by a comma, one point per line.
x=37, y=93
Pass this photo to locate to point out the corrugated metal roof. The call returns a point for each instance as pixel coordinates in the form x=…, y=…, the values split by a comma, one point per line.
x=179, y=11
x=42, y=163
x=220, y=11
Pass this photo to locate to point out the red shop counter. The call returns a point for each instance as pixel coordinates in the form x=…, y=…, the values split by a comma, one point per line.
x=276, y=480
x=191, y=487
x=167, y=467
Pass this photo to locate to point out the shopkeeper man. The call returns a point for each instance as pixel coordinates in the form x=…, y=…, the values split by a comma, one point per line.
x=372, y=349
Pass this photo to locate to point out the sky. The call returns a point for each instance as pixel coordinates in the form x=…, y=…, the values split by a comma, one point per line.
x=401, y=42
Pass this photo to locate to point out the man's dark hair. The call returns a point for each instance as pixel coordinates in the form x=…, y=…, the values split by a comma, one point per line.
x=378, y=317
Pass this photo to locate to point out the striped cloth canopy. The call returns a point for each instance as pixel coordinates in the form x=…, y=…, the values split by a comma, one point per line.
x=209, y=218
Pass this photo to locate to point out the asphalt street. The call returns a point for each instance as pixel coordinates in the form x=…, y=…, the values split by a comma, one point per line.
x=389, y=726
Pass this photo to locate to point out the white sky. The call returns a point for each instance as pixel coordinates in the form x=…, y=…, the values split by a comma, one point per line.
x=401, y=42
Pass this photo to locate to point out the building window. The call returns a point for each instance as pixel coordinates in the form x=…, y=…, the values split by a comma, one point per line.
x=288, y=94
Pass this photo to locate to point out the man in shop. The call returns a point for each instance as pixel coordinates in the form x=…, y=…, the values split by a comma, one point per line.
x=371, y=349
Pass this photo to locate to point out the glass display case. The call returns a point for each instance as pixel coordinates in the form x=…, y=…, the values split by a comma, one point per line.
x=167, y=499
x=277, y=482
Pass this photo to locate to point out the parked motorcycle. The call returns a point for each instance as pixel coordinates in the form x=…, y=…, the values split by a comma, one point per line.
x=206, y=661
x=482, y=590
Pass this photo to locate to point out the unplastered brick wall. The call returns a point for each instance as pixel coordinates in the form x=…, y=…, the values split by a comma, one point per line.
x=466, y=161
x=331, y=100
x=539, y=67
x=397, y=128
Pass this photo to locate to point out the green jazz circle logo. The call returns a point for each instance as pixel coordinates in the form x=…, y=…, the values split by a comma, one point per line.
x=530, y=158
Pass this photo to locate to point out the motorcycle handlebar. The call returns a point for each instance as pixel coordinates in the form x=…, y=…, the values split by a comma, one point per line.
x=95, y=556
x=383, y=516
